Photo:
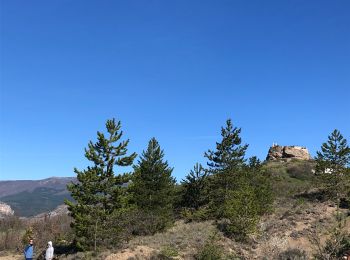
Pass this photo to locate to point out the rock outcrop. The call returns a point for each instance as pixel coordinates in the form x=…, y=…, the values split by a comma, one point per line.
x=59, y=211
x=277, y=152
x=5, y=210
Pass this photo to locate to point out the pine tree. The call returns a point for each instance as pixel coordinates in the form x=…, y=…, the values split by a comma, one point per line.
x=241, y=209
x=254, y=163
x=153, y=188
x=332, y=165
x=224, y=164
x=99, y=195
x=251, y=198
x=229, y=153
x=194, y=188
x=152, y=181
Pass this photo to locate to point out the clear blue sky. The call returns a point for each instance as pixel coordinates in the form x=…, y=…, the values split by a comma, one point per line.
x=175, y=70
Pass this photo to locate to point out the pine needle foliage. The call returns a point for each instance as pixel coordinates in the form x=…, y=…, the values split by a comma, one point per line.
x=153, y=188
x=229, y=153
x=251, y=198
x=224, y=163
x=332, y=165
x=99, y=193
x=194, y=188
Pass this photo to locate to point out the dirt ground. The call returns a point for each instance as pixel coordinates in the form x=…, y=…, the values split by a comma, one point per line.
x=12, y=257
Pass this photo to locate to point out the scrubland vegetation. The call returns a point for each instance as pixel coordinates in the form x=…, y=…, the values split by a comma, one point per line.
x=231, y=208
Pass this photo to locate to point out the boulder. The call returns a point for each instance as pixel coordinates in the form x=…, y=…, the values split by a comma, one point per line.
x=277, y=152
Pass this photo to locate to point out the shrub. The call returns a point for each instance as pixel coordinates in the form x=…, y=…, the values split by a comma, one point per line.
x=11, y=232
x=337, y=245
x=293, y=254
x=241, y=210
x=210, y=252
x=147, y=222
x=168, y=252
x=200, y=214
x=301, y=171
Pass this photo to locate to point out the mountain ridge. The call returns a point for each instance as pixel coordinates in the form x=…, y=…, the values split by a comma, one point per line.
x=31, y=197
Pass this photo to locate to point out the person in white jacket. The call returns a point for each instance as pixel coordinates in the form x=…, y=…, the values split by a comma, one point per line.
x=49, y=251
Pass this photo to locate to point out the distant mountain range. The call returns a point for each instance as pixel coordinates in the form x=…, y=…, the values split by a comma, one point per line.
x=31, y=197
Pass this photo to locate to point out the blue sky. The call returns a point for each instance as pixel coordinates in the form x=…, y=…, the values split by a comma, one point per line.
x=175, y=70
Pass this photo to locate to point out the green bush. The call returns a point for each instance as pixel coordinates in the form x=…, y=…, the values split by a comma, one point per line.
x=147, y=222
x=301, y=171
x=210, y=252
x=200, y=214
x=293, y=254
x=169, y=252
x=241, y=210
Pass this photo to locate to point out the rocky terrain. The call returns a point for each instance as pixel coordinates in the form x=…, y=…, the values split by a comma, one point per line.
x=59, y=211
x=287, y=153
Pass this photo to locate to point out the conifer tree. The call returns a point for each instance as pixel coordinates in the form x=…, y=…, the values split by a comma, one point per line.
x=254, y=163
x=194, y=188
x=229, y=153
x=153, y=188
x=224, y=164
x=98, y=194
x=250, y=198
x=332, y=165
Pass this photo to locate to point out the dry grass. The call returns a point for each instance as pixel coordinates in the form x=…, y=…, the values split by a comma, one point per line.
x=186, y=238
x=11, y=257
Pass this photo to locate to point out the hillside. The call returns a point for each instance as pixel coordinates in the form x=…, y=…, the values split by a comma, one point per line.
x=31, y=197
x=300, y=219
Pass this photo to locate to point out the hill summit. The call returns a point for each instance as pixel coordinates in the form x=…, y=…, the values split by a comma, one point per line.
x=286, y=153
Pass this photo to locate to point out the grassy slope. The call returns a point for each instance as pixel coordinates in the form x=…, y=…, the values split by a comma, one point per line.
x=294, y=221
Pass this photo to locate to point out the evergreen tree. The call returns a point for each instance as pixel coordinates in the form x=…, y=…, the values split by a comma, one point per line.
x=251, y=198
x=229, y=153
x=99, y=195
x=254, y=163
x=153, y=188
x=332, y=165
x=260, y=180
x=194, y=188
x=241, y=209
x=224, y=163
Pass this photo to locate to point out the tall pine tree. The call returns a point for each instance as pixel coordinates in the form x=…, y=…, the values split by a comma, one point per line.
x=229, y=153
x=224, y=164
x=153, y=188
x=99, y=195
x=332, y=165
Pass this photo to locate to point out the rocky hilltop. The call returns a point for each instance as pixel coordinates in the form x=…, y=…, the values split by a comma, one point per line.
x=286, y=153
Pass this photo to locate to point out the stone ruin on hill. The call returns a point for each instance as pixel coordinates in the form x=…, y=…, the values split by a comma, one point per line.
x=286, y=153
